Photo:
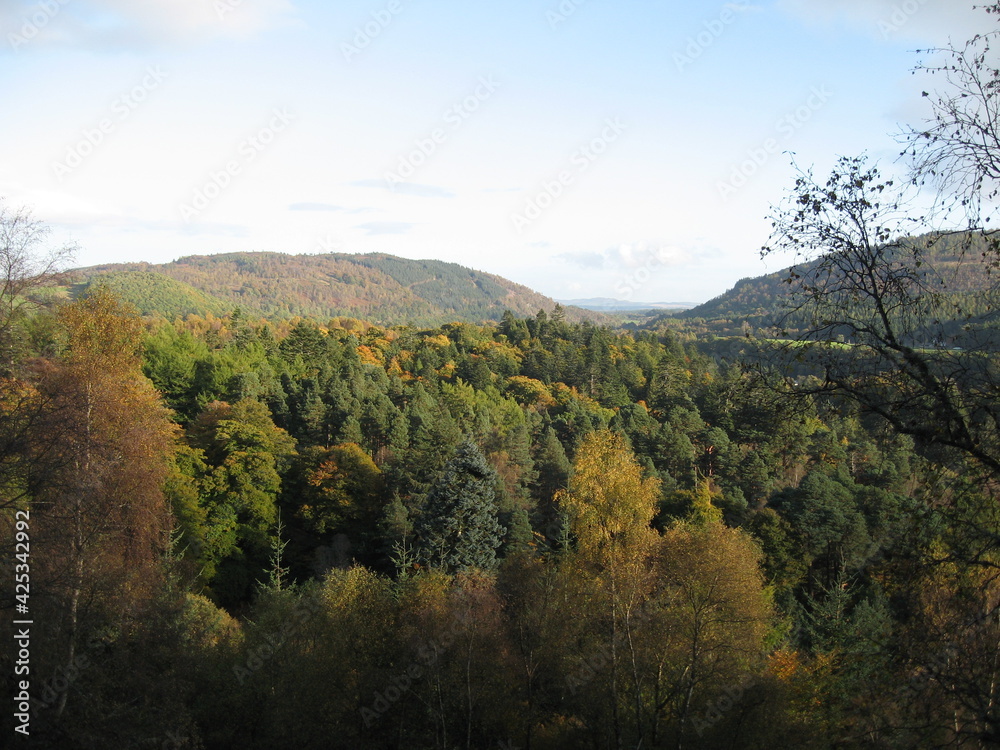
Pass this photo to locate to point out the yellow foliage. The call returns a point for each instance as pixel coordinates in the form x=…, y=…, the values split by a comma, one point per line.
x=529, y=392
x=702, y=510
x=564, y=394
x=14, y=394
x=784, y=664
x=394, y=368
x=439, y=341
x=205, y=625
x=609, y=502
x=369, y=356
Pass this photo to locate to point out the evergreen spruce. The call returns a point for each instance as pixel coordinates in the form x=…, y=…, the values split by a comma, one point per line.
x=458, y=528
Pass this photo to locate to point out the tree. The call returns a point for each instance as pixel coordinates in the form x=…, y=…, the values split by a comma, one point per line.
x=867, y=280
x=170, y=361
x=462, y=699
x=245, y=455
x=829, y=527
x=432, y=435
x=26, y=266
x=950, y=659
x=919, y=350
x=715, y=614
x=342, y=489
x=957, y=149
x=656, y=624
x=458, y=526
x=304, y=348
x=514, y=329
x=610, y=504
x=102, y=519
x=551, y=477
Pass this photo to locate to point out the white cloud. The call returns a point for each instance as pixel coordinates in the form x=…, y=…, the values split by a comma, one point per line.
x=314, y=207
x=931, y=22
x=386, y=227
x=629, y=256
x=406, y=188
x=117, y=24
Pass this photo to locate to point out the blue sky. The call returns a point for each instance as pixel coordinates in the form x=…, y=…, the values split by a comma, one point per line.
x=626, y=149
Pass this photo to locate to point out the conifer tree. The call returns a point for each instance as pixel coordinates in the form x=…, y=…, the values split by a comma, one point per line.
x=458, y=528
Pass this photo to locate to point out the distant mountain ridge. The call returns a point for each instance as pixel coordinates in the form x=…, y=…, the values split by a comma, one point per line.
x=609, y=304
x=379, y=288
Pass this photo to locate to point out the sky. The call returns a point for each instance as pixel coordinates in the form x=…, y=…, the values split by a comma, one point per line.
x=585, y=148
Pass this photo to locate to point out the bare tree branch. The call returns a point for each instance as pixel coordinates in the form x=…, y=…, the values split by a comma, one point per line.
x=27, y=265
x=877, y=314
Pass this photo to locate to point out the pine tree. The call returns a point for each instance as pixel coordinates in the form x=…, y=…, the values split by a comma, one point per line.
x=552, y=476
x=458, y=528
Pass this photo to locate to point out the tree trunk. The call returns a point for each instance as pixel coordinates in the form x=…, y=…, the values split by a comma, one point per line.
x=616, y=719
x=686, y=708
x=78, y=566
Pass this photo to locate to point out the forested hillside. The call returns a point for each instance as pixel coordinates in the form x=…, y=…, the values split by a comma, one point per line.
x=532, y=532
x=379, y=288
x=950, y=264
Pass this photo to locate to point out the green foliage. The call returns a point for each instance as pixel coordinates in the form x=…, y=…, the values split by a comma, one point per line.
x=341, y=488
x=153, y=293
x=244, y=456
x=829, y=526
x=170, y=361
x=458, y=527
x=423, y=595
x=620, y=597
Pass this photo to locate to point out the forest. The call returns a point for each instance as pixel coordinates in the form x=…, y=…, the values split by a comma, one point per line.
x=769, y=522
x=527, y=534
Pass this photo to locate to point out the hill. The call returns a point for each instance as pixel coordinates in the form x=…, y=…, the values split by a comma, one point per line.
x=379, y=288
x=954, y=262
